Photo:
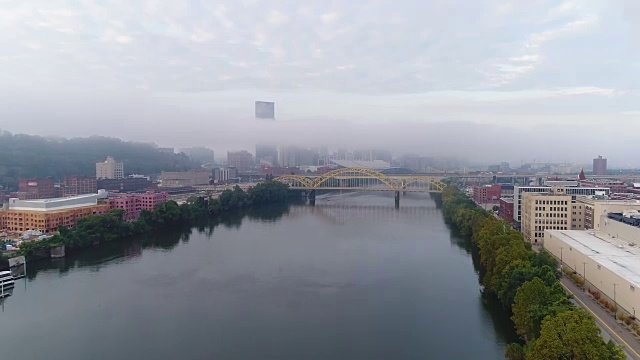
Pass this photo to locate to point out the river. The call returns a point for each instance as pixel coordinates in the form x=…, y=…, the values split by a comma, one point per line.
x=351, y=278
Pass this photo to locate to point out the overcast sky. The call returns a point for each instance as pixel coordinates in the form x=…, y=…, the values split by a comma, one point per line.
x=484, y=79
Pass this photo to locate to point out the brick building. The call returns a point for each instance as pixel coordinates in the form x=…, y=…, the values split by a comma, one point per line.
x=29, y=189
x=506, y=209
x=615, y=186
x=125, y=185
x=133, y=204
x=488, y=194
x=47, y=215
x=78, y=185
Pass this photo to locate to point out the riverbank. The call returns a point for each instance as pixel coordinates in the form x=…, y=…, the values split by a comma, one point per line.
x=528, y=284
x=109, y=227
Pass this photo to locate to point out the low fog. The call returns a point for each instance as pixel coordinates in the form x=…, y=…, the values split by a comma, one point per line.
x=227, y=128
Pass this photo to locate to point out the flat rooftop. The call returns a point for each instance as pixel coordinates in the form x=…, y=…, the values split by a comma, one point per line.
x=56, y=204
x=588, y=200
x=374, y=165
x=614, y=254
x=60, y=200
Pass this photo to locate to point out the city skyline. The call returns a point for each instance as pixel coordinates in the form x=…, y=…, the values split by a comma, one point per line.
x=421, y=77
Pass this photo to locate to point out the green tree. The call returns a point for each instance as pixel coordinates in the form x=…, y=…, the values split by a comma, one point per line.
x=516, y=274
x=25, y=156
x=513, y=250
x=572, y=334
x=514, y=352
x=268, y=192
x=535, y=300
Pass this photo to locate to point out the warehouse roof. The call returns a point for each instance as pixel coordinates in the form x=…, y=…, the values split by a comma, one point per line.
x=614, y=254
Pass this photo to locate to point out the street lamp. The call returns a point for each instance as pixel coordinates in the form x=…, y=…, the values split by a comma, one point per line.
x=561, y=258
x=615, y=303
x=584, y=274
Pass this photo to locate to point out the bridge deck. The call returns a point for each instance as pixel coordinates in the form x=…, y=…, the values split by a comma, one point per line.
x=366, y=189
x=361, y=179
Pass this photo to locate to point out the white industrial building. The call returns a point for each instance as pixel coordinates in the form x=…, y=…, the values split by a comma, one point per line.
x=56, y=204
x=609, y=259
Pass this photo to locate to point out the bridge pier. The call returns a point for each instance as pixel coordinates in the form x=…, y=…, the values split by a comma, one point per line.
x=397, y=199
x=312, y=197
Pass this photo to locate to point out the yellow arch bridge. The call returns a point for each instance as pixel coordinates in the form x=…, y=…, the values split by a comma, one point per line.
x=362, y=179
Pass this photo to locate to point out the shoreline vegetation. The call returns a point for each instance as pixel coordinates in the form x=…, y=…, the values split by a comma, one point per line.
x=527, y=284
x=110, y=227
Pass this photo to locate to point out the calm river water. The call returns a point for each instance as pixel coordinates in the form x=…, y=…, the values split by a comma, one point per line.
x=351, y=278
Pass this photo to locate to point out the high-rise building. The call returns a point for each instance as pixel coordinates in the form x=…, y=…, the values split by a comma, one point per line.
x=265, y=110
x=573, y=192
x=548, y=211
x=199, y=154
x=287, y=156
x=307, y=157
x=240, y=160
x=290, y=156
x=109, y=169
x=267, y=154
x=372, y=155
x=599, y=166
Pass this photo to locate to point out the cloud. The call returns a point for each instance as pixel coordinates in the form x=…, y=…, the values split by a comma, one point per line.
x=482, y=61
x=277, y=18
x=407, y=49
x=328, y=18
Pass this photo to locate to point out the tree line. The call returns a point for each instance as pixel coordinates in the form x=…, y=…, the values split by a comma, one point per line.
x=95, y=229
x=27, y=156
x=527, y=284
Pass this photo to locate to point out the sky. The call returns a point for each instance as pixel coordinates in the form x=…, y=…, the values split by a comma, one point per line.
x=486, y=80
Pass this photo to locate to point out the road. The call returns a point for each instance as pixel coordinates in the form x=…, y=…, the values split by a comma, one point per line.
x=605, y=320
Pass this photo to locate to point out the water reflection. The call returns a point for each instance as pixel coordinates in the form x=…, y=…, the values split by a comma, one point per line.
x=351, y=278
x=498, y=315
x=165, y=240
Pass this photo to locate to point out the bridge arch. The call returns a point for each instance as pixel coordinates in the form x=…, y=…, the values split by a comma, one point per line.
x=365, y=179
x=295, y=181
x=435, y=183
x=357, y=171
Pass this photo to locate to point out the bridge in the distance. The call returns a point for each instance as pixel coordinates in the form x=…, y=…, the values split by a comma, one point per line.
x=362, y=179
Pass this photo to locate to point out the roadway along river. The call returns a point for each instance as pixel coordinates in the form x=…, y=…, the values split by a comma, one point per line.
x=351, y=278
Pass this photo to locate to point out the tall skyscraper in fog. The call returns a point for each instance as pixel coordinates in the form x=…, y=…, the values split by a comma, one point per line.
x=266, y=154
x=599, y=166
x=265, y=110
